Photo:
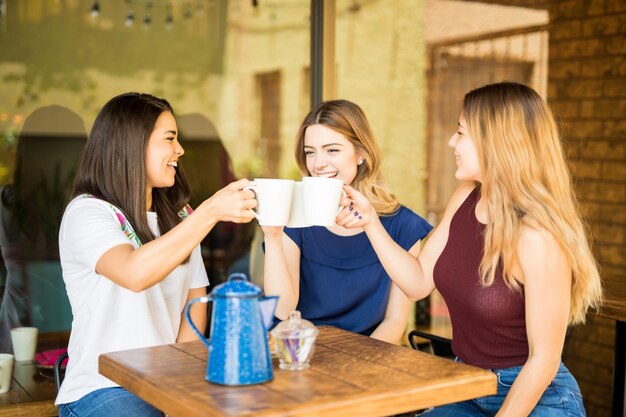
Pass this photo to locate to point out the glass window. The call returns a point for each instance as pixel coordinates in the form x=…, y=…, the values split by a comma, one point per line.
x=233, y=71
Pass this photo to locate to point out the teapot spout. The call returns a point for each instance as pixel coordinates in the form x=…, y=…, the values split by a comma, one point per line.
x=268, y=306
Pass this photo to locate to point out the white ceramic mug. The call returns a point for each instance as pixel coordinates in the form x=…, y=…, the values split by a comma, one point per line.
x=321, y=200
x=273, y=198
x=297, y=217
x=24, y=340
x=6, y=372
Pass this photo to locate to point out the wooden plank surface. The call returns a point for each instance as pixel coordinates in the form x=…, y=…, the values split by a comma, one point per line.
x=30, y=409
x=349, y=374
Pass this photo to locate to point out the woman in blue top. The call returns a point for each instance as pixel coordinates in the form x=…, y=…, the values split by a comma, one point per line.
x=332, y=275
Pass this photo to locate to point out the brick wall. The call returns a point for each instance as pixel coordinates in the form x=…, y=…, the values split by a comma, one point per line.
x=587, y=92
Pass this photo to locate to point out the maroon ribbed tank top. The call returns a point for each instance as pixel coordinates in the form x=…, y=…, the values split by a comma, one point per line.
x=488, y=323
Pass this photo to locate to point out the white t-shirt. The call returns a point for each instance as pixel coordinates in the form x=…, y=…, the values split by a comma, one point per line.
x=107, y=317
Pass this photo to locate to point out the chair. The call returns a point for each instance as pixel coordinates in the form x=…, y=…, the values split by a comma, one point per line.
x=59, y=373
x=441, y=346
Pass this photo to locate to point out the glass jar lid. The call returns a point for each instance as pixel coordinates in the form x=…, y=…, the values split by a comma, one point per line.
x=294, y=327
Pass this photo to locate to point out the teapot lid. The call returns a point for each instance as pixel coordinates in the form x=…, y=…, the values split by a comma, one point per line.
x=295, y=327
x=237, y=286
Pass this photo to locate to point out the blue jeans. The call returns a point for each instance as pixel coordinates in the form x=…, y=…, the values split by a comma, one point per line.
x=109, y=402
x=562, y=398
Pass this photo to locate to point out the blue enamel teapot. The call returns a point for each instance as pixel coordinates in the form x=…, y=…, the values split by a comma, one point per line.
x=239, y=353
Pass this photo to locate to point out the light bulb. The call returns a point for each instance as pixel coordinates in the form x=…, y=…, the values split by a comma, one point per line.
x=147, y=19
x=95, y=9
x=130, y=19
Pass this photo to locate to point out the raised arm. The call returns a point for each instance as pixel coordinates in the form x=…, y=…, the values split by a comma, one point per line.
x=281, y=273
x=141, y=268
x=393, y=325
x=413, y=276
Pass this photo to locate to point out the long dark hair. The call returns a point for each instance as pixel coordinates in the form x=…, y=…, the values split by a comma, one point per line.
x=113, y=165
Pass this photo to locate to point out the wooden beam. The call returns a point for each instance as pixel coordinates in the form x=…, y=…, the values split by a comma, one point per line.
x=322, y=51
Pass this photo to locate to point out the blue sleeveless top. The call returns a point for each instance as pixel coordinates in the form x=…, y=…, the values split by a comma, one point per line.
x=342, y=282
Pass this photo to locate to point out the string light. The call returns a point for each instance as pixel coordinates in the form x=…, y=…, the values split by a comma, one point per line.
x=188, y=13
x=130, y=15
x=130, y=19
x=189, y=9
x=169, y=17
x=95, y=9
x=354, y=7
x=199, y=9
x=147, y=18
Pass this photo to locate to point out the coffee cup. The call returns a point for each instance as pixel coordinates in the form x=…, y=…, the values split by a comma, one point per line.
x=24, y=341
x=321, y=198
x=6, y=372
x=273, y=198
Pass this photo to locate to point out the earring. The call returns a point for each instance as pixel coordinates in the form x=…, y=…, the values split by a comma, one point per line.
x=360, y=161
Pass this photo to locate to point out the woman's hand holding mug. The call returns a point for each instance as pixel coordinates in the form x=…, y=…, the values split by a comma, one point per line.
x=233, y=203
x=357, y=212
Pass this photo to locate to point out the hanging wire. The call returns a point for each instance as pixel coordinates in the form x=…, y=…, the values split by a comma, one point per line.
x=189, y=9
x=195, y=6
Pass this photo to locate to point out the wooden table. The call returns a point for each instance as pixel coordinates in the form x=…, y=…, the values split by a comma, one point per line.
x=32, y=390
x=32, y=393
x=350, y=374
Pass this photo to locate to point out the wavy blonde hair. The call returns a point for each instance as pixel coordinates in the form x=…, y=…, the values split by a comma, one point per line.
x=347, y=118
x=525, y=177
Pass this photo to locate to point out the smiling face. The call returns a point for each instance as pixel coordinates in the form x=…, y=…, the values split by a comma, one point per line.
x=465, y=153
x=329, y=154
x=162, y=153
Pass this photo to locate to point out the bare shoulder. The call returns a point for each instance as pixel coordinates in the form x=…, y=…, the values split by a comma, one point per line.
x=538, y=251
x=534, y=237
x=459, y=196
x=440, y=235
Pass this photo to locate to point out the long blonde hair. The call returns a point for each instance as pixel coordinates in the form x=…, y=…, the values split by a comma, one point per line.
x=347, y=118
x=525, y=177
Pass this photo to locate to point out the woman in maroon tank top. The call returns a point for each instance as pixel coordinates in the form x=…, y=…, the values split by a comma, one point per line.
x=510, y=256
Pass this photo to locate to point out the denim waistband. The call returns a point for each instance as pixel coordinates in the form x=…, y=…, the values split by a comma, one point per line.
x=562, y=368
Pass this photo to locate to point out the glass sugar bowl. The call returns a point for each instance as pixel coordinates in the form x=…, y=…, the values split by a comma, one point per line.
x=294, y=340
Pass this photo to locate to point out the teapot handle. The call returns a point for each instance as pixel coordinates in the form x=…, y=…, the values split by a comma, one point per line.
x=238, y=276
x=204, y=299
